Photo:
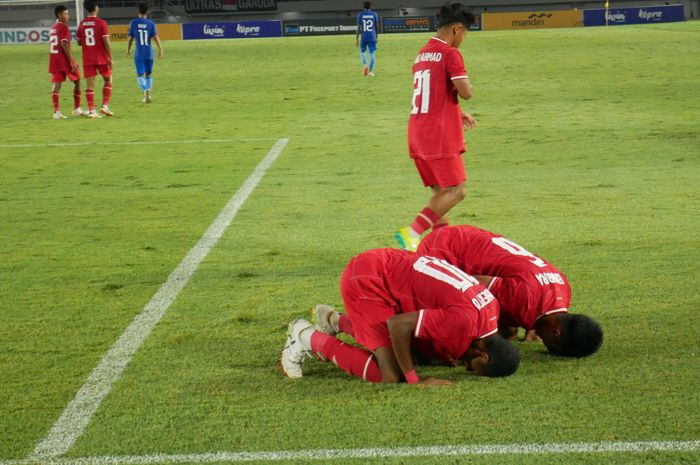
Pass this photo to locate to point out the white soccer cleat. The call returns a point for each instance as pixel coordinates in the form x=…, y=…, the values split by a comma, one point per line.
x=294, y=353
x=92, y=114
x=146, y=96
x=79, y=112
x=371, y=73
x=324, y=315
x=106, y=111
x=59, y=115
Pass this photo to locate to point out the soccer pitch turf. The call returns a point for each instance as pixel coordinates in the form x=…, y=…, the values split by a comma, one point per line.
x=587, y=153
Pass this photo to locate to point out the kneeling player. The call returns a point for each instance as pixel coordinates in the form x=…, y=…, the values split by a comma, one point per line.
x=396, y=301
x=62, y=63
x=532, y=293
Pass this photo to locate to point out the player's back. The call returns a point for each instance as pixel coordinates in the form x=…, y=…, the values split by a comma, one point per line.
x=142, y=30
x=367, y=21
x=435, y=124
x=90, y=35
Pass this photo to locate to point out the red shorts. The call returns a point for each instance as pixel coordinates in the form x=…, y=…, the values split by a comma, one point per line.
x=92, y=70
x=442, y=172
x=367, y=304
x=61, y=76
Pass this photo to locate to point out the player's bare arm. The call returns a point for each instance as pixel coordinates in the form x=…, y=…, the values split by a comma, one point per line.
x=160, y=47
x=464, y=87
x=401, y=331
x=108, y=49
x=128, y=46
x=65, y=45
x=391, y=373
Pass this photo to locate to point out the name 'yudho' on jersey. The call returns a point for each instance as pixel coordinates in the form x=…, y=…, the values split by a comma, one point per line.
x=435, y=124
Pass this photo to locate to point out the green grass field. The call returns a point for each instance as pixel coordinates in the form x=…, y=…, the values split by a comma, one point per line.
x=587, y=153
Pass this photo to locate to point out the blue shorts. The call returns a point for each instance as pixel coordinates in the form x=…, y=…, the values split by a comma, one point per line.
x=371, y=44
x=143, y=66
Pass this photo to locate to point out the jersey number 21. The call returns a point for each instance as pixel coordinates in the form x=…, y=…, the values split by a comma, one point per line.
x=421, y=88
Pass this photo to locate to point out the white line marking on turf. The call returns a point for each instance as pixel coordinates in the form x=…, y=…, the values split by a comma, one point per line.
x=72, y=422
x=137, y=142
x=380, y=452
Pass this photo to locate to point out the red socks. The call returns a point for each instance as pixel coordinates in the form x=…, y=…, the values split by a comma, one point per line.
x=90, y=97
x=345, y=324
x=440, y=225
x=106, y=93
x=54, y=100
x=352, y=360
x=424, y=221
x=76, y=98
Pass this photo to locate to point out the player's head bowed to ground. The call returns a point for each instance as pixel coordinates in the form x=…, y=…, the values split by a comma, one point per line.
x=569, y=335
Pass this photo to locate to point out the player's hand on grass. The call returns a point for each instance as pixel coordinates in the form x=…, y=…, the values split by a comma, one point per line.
x=531, y=336
x=434, y=382
x=468, y=121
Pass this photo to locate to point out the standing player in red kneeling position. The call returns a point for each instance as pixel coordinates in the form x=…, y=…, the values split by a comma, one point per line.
x=93, y=36
x=396, y=301
x=62, y=63
x=532, y=293
x=435, y=138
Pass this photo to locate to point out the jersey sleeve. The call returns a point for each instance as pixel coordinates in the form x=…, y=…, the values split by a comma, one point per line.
x=448, y=331
x=154, y=31
x=104, y=31
x=131, y=29
x=454, y=64
x=79, y=34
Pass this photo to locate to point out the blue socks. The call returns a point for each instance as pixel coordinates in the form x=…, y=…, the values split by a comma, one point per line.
x=364, y=59
x=149, y=83
x=142, y=82
x=371, y=61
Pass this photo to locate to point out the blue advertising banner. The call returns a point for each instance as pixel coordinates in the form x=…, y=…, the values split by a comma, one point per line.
x=641, y=15
x=231, y=30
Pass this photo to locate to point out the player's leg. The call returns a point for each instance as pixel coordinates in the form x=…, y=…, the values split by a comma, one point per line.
x=90, y=75
x=55, y=89
x=329, y=321
x=372, y=48
x=106, y=91
x=77, y=111
x=446, y=177
x=149, y=80
x=363, y=57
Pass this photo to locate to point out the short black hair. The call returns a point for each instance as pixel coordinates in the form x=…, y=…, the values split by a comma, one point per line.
x=59, y=9
x=367, y=5
x=452, y=12
x=504, y=358
x=143, y=8
x=580, y=336
x=90, y=5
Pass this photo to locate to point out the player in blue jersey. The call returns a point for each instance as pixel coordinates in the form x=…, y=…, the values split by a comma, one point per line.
x=367, y=24
x=143, y=30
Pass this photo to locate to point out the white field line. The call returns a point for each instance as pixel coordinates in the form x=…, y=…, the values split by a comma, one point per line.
x=373, y=453
x=138, y=142
x=72, y=422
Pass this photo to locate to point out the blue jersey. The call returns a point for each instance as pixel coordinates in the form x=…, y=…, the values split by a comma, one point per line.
x=367, y=23
x=142, y=30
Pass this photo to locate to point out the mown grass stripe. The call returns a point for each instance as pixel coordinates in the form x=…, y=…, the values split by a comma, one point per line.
x=136, y=142
x=72, y=422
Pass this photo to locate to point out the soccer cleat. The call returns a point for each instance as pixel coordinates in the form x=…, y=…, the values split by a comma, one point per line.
x=294, y=353
x=146, y=96
x=322, y=319
x=406, y=240
x=79, y=112
x=371, y=73
x=106, y=111
x=365, y=70
x=59, y=115
x=92, y=114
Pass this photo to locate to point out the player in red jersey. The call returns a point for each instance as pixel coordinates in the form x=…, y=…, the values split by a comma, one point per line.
x=532, y=292
x=93, y=36
x=62, y=63
x=435, y=127
x=398, y=300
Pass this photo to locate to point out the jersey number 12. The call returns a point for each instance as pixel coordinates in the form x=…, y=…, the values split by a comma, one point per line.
x=421, y=88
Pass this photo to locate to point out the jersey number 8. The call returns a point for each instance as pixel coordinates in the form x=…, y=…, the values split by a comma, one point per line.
x=90, y=37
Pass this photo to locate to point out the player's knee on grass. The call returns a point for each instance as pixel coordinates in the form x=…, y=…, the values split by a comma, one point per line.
x=579, y=336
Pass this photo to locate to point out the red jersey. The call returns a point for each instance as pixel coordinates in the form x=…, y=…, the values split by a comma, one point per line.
x=435, y=125
x=90, y=33
x=58, y=60
x=525, y=285
x=453, y=307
